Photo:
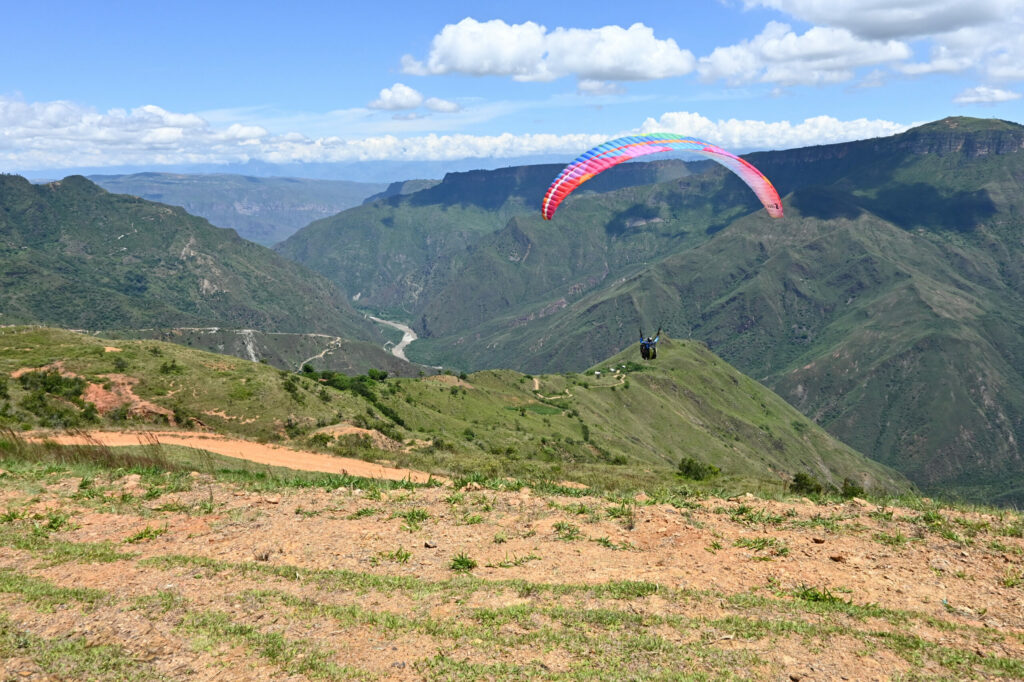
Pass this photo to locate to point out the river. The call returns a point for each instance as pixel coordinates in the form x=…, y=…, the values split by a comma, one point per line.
x=408, y=336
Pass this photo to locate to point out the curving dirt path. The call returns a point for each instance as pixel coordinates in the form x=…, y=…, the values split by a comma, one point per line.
x=261, y=453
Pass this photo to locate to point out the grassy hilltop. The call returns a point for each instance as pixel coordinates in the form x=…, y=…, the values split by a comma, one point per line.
x=629, y=428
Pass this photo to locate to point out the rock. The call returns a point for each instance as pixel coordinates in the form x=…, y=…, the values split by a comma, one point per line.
x=430, y=544
x=837, y=557
x=860, y=502
x=818, y=541
x=272, y=499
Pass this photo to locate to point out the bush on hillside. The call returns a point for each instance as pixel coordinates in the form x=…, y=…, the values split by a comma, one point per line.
x=851, y=489
x=696, y=470
x=805, y=484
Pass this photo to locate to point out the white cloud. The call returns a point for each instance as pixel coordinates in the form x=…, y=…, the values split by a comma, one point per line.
x=985, y=95
x=961, y=35
x=735, y=134
x=778, y=55
x=593, y=87
x=443, y=106
x=885, y=19
x=529, y=52
x=55, y=135
x=398, y=96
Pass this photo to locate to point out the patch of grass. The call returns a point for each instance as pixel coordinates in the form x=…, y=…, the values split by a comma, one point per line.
x=36, y=539
x=162, y=601
x=413, y=517
x=294, y=657
x=897, y=539
x=510, y=562
x=566, y=531
x=44, y=594
x=362, y=513
x=463, y=563
x=774, y=546
x=746, y=515
x=147, y=533
x=625, y=513
x=607, y=543
x=72, y=658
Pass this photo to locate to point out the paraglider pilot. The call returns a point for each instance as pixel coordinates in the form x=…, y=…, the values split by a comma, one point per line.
x=649, y=346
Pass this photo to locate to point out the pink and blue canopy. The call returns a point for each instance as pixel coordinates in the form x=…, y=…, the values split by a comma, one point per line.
x=614, y=152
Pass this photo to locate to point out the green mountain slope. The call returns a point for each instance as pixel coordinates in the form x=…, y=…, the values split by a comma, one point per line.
x=623, y=428
x=262, y=210
x=73, y=255
x=886, y=304
x=386, y=253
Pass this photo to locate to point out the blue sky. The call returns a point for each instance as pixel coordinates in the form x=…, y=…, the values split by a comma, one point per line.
x=150, y=85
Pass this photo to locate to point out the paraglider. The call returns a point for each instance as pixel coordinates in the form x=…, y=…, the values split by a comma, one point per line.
x=614, y=152
x=649, y=346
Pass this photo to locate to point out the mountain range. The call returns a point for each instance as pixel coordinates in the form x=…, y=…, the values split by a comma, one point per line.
x=262, y=210
x=886, y=305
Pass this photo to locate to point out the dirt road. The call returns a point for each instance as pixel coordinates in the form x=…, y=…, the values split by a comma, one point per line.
x=272, y=455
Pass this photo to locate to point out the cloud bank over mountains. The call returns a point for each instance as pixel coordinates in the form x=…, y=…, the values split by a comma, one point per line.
x=864, y=44
x=62, y=134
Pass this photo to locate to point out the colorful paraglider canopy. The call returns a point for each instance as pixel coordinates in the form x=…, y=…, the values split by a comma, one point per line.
x=614, y=152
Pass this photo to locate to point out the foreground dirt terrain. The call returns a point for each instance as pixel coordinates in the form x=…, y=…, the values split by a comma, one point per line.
x=190, y=576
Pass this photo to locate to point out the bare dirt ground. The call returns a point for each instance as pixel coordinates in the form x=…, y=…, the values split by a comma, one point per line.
x=271, y=455
x=186, y=577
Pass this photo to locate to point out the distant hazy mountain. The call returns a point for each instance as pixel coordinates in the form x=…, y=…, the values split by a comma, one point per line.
x=262, y=210
x=73, y=255
x=383, y=172
x=887, y=304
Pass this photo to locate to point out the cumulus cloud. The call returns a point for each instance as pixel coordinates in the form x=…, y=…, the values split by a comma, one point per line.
x=960, y=35
x=55, y=135
x=886, y=19
x=398, y=96
x=530, y=52
x=778, y=55
x=736, y=134
x=985, y=95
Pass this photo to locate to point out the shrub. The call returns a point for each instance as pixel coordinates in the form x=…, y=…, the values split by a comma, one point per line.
x=697, y=471
x=851, y=489
x=805, y=484
x=171, y=367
